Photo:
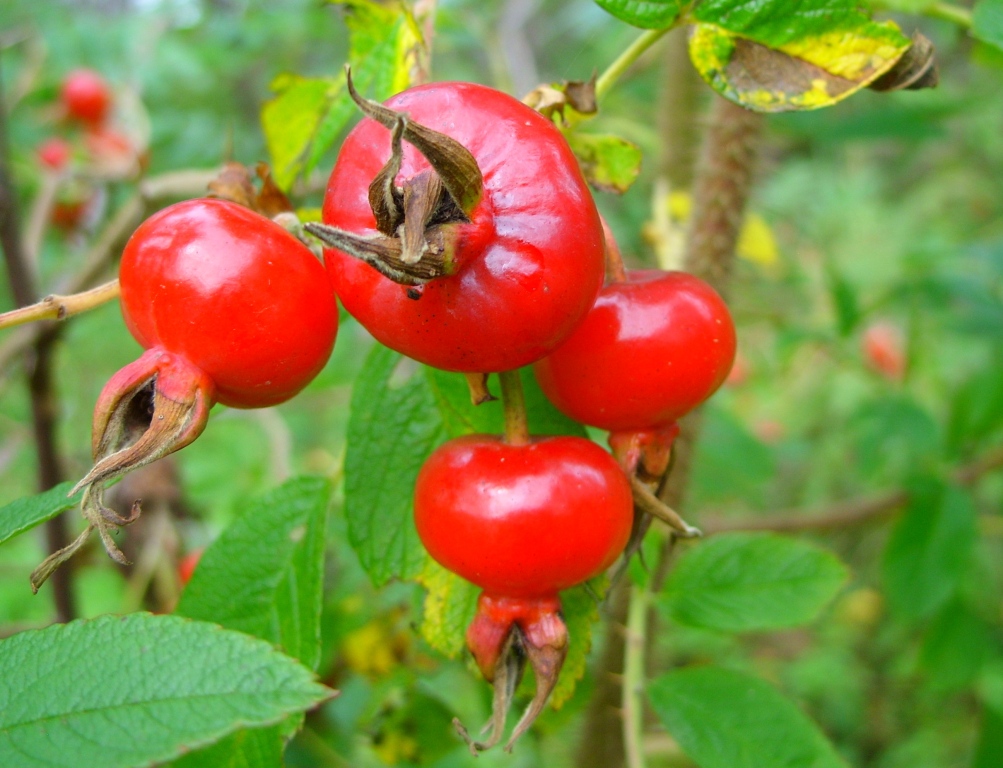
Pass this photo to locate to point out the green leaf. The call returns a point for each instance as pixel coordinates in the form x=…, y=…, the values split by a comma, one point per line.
x=449, y=607
x=609, y=163
x=768, y=56
x=257, y=748
x=24, y=514
x=725, y=719
x=133, y=690
x=929, y=549
x=844, y=300
x=987, y=22
x=646, y=14
x=742, y=582
x=989, y=749
x=305, y=118
x=956, y=645
x=393, y=426
x=264, y=574
x=580, y=610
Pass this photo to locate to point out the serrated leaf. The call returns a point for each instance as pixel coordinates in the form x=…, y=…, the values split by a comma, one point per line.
x=24, y=514
x=743, y=582
x=929, y=549
x=609, y=163
x=770, y=57
x=264, y=574
x=133, y=690
x=726, y=719
x=987, y=22
x=305, y=118
x=646, y=14
x=580, y=609
x=449, y=607
x=392, y=428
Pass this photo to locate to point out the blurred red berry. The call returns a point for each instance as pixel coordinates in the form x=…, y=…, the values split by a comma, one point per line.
x=86, y=96
x=884, y=350
x=54, y=153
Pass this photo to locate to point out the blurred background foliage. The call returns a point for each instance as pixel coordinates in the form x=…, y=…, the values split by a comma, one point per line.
x=884, y=211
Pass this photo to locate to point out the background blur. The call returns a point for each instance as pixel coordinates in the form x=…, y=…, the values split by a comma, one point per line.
x=868, y=297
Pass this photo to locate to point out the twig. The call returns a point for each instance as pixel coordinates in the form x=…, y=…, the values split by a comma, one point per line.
x=632, y=704
x=851, y=512
x=56, y=307
x=606, y=81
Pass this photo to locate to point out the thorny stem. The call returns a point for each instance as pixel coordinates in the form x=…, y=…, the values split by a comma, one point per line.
x=55, y=307
x=514, y=406
x=606, y=81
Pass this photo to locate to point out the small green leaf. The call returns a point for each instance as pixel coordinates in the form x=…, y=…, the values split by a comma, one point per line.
x=770, y=57
x=264, y=575
x=646, y=14
x=987, y=22
x=134, y=690
x=929, y=549
x=609, y=163
x=725, y=719
x=743, y=582
x=24, y=514
x=844, y=300
x=392, y=428
x=449, y=607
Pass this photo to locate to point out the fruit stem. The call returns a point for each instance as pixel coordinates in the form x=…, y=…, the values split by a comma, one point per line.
x=514, y=405
x=607, y=79
x=615, y=271
x=55, y=307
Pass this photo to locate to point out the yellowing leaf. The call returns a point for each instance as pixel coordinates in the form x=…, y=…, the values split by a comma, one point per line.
x=449, y=608
x=808, y=73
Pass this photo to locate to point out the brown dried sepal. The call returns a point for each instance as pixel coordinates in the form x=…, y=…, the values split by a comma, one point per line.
x=554, y=99
x=235, y=184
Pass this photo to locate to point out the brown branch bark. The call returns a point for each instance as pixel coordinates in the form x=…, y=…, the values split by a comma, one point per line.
x=850, y=512
x=44, y=406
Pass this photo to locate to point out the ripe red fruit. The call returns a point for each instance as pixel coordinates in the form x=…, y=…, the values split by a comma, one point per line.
x=231, y=308
x=509, y=251
x=54, y=153
x=653, y=348
x=86, y=96
x=522, y=522
x=884, y=350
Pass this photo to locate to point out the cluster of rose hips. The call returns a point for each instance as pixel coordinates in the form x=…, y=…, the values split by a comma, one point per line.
x=85, y=108
x=462, y=234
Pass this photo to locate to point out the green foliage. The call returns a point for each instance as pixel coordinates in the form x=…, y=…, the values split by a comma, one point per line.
x=647, y=14
x=987, y=22
x=308, y=114
x=264, y=575
x=610, y=164
x=726, y=719
x=929, y=549
x=189, y=684
x=24, y=514
x=745, y=582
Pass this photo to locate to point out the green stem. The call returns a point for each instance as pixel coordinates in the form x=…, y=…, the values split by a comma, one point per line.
x=613, y=72
x=514, y=406
x=632, y=704
x=960, y=16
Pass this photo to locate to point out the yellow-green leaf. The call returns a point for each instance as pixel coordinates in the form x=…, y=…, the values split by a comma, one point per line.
x=769, y=59
x=609, y=163
x=449, y=608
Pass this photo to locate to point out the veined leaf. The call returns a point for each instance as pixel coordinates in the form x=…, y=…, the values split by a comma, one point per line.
x=67, y=702
x=646, y=14
x=24, y=514
x=609, y=163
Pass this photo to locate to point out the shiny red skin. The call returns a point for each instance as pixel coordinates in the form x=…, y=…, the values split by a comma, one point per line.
x=234, y=294
x=523, y=521
x=652, y=349
x=86, y=96
x=54, y=153
x=528, y=266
